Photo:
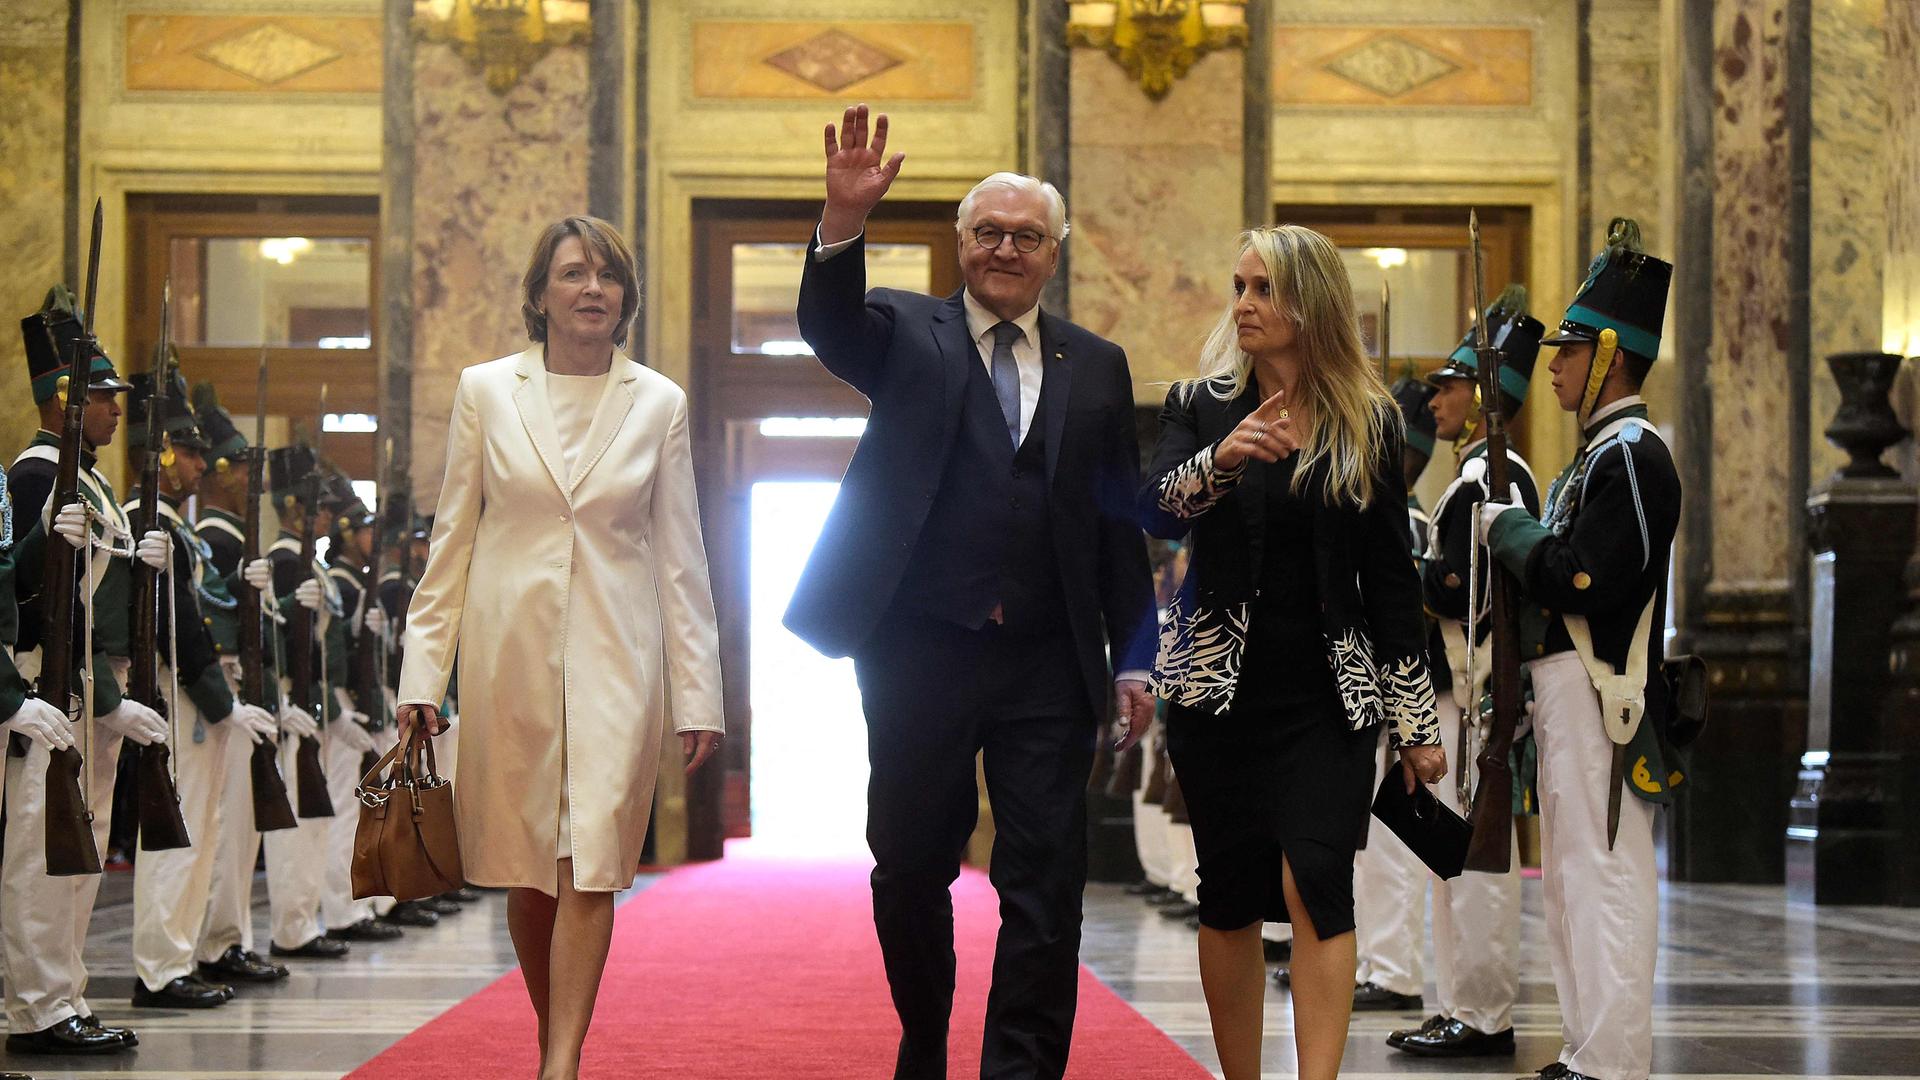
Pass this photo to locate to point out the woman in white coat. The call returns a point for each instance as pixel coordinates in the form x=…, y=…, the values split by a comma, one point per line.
x=567, y=570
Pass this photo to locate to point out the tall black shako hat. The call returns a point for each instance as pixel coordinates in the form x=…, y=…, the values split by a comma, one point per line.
x=1515, y=334
x=177, y=421
x=1625, y=291
x=288, y=468
x=227, y=444
x=49, y=335
x=348, y=509
x=1413, y=396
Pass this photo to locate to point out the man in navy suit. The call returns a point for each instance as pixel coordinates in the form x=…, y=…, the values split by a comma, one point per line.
x=983, y=569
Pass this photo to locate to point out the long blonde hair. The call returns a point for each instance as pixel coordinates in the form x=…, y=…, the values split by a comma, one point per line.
x=1353, y=414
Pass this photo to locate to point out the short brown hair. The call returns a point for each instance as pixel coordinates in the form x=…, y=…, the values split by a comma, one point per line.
x=605, y=241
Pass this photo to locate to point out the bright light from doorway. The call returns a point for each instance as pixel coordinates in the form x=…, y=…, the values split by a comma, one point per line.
x=809, y=762
x=813, y=427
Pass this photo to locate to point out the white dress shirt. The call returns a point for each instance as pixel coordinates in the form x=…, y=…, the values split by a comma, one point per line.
x=980, y=324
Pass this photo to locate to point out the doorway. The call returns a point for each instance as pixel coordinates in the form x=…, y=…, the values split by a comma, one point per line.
x=773, y=434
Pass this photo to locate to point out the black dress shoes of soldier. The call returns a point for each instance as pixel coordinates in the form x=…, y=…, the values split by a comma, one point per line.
x=125, y=1035
x=1557, y=1071
x=1277, y=952
x=1372, y=997
x=1451, y=1038
x=320, y=948
x=14, y=1076
x=1180, y=911
x=69, y=1036
x=441, y=905
x=1395, y=1038
x=415, y=913
x=242, y=966
x=185, y=992
x=365, y=930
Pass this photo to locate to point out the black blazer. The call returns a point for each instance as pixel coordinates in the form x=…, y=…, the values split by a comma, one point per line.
x=1370, y=609
x=908, y=354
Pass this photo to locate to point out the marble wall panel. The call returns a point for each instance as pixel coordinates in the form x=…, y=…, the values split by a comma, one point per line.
x=906, y=61
x=33, y=49
x=1901, y=313
x=490, y=171
x=1316, y=64
x=1156, y=206
x=1624, y=117
x=1747, y=364
x=245, y=54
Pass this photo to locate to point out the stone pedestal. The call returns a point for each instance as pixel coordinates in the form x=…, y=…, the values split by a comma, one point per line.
x=1840, y=835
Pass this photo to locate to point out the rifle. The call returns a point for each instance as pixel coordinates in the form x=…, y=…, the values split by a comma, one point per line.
x=309, y=774
x=1491, y=849
x=162, y=827
x=71, y=850
x=271, y=808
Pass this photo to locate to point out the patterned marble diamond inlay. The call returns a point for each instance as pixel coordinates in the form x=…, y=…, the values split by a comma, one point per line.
x=833, y=60
x=1391, y=66
x=268, y=53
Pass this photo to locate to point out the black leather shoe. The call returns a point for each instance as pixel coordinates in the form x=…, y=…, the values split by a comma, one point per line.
x=1282, y=977
x=413, y=913
x=1455, y=1039
x=240, y=965
x=1165, y=897
x=1276, y=952
x=69, y=1036
x=14, y=1076
x=125, y=1035
x=465, y=894
x=320, y=948
x=1369, y=997
x=185, y=992
x=440, y=905
x=365, y=930
x=1181, y=910
x=1394, y=1038
x=1143, y=887
x=1554, y=1071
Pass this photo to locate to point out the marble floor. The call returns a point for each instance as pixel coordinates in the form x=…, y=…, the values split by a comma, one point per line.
x=1749, y=986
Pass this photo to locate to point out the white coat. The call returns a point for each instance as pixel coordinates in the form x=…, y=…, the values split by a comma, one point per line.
x=578, y=606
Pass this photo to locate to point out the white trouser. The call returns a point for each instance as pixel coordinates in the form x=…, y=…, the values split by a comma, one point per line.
x=43, y=924
x=1476, y=918
x=296, y=863
x=171, y=888
x=1150, y=821
x=1185, y=878
x=1602, y=907
x=229, y=920
x=338, y=908
x=1389, y=904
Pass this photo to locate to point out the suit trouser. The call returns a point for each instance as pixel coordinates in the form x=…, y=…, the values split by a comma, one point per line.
x=1389, y=904
x=338, y=908
x=1602, y=907
x=935, y=696
x=171, y=889
x=1476, y=918
x=296, y=868
x=43, y=924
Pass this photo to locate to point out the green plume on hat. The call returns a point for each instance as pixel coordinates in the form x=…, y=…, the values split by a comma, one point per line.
x=1512, y=299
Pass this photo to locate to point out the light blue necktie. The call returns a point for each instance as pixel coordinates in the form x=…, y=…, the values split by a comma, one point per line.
x=1006, y=376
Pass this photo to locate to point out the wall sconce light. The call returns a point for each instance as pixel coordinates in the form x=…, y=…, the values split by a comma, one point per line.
x=502, y=39
x=1157, y=41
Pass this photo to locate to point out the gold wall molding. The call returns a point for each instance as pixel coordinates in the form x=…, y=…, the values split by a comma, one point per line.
x=918, y=60
x=1157, y=41
x=250, y=54
x=502, y=39
x=1399, y=65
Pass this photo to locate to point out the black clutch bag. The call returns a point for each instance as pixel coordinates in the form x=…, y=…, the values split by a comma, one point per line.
x=1431, y=831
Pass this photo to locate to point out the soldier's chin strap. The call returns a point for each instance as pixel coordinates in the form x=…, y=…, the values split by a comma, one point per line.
x=1471, y=427
x=1604, y=350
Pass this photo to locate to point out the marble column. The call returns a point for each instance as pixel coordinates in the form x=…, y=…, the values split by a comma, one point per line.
x=1741, y=612
x=34, y=216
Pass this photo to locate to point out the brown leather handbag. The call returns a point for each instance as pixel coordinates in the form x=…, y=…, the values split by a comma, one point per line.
x=405, y=846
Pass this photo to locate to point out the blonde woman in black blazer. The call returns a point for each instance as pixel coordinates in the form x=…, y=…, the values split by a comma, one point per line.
x=1296, y=632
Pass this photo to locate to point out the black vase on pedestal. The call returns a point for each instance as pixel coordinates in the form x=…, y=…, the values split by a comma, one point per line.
x=1865, y=424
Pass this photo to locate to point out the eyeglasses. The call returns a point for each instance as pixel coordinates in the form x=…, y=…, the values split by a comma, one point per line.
x=1025, y=241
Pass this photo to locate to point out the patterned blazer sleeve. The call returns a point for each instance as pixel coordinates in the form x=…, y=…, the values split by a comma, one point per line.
x=1183, y=482
x=1390, y=590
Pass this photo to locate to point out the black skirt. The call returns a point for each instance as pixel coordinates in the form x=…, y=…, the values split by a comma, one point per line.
x=1269, y=780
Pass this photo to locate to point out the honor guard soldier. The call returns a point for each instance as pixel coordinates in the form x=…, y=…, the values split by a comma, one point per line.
x=226, y=952
x=1476, y=916
x=1597, y=562
x=171, y=887
x=43, y=920
x=296, y=858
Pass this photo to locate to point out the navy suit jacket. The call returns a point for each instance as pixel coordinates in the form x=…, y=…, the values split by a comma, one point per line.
x=908, y=354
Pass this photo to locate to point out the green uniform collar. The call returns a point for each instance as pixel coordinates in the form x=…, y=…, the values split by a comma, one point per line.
x=1633, y=406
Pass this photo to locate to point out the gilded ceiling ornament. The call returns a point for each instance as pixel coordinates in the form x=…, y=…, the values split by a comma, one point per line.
x=1156, y=41
x=499, y=38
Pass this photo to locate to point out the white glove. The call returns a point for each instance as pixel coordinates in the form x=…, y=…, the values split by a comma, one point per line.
x=308, y=595
x=1490, y=511
x=70, y=524
x=136, y=722
x=348, y=730
x=298, y=721
x=42, y=724
x=254, y=720
x=258, y=574
x=154, y=549
x=376, y=620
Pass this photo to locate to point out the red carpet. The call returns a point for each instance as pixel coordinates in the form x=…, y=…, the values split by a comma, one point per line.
x=755, y=968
